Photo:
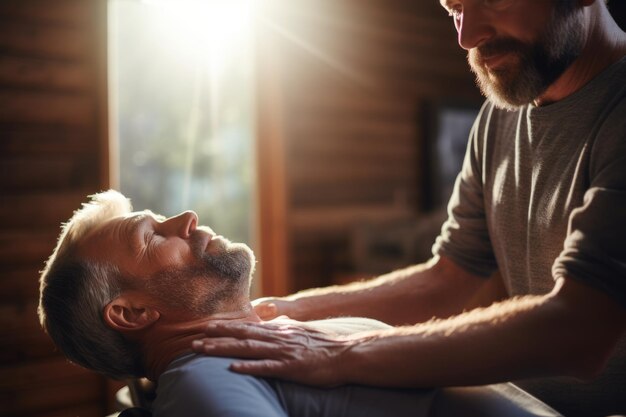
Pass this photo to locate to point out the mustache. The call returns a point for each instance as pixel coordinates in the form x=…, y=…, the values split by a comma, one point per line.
x=500, y=46
x=197, y=241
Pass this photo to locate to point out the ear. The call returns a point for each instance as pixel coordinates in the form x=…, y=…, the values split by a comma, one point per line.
x=126, y=315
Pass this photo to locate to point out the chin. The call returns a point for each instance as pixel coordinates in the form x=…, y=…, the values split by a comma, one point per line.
x=230, y=262
x=246, y=255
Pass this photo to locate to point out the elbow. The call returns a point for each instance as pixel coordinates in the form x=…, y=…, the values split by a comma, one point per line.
x=590, y=327
x=587, y=367
x=579, y=357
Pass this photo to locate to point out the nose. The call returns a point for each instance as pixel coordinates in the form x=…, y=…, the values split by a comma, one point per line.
x=474, y=27
x=181, y=225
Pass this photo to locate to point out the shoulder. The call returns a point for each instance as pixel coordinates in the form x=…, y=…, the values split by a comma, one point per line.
x=195, y=385
x=606, y=107
x=196, y=369
x=608, y=151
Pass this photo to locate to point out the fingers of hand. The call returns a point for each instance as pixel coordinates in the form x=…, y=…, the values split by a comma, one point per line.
x=283, y=346
x=270, y=332
x=266, y=311
x=266, y=368
x=250, y=349
x=262, y=300
x=240, y=330
x=269, y=308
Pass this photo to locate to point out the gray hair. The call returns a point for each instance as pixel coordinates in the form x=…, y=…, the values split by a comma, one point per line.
x=74, y=292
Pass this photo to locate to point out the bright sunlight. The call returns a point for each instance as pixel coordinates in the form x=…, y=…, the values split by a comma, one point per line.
x=215, y=27
x=182, y=108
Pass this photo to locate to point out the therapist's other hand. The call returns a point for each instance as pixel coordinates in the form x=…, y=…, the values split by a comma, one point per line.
x=281, y=351
x=268, y=308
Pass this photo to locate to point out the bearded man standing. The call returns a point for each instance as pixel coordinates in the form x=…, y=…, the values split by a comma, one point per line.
x=539, y=206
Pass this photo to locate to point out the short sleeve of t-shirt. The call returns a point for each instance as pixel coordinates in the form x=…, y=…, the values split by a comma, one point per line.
x=595, y=248
x=464, y=237
x=201, y=386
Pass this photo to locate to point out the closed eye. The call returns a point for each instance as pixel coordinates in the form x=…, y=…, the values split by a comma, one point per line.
x=147, y=236
x=151, y=240
x=139, y=234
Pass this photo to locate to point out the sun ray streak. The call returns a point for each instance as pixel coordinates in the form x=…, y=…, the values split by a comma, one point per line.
x=335, y=64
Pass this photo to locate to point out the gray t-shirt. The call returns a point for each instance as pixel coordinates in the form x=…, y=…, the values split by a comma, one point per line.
x=202, y=386
x=542, y=195
x=195, y=385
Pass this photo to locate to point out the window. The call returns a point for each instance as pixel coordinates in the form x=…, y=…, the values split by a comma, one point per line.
x=181, y=88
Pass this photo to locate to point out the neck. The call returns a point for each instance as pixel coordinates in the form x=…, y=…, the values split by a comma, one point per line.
x=605, y=44
x=168, y=339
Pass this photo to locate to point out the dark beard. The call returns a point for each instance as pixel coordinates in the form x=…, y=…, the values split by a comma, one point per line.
x=539, y=64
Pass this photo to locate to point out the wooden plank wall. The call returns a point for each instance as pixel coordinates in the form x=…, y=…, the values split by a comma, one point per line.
x=359, y=79
x=356, y=77
x=359, y=82
x=52, y=154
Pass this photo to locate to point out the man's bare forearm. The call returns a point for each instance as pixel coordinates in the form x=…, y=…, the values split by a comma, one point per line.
x=437, y=288
x=571, y=331
x=532, y=336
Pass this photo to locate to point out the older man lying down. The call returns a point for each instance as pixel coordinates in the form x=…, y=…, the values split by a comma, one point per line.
x=125, y=294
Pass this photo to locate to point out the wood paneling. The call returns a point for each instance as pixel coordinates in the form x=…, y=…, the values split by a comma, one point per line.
x=45, y=385
x=58, y=208
x=19, y=248
x=357, y=79
x=39, y=40
x=37, y=107
x=52, y=119
x=61, y=12
x=51, y=172
x=19, y=283
x=45, y=140
x=45, y=74
x=354, y=79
